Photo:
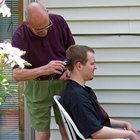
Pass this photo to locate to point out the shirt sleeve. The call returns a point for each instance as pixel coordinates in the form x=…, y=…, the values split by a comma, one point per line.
x=84, y=116
x=17, y=40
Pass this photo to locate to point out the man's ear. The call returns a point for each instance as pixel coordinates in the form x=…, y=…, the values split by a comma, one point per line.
x=78, y=65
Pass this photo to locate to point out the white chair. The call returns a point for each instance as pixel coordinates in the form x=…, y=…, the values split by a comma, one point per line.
x=70, y=126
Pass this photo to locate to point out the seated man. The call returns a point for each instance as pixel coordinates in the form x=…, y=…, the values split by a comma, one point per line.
x=81, y=102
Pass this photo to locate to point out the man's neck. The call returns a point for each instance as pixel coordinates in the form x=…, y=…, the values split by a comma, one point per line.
x=77, y=79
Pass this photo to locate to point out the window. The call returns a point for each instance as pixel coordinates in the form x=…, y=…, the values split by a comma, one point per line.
x=11, y=112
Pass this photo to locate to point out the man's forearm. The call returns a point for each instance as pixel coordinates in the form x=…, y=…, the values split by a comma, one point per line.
x=26, y=74
x=55, y=66
x=117, y=123
x=110, y=133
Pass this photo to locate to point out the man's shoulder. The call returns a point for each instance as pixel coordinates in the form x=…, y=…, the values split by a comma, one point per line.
x=21, y=29
x=20, y=34
x=56, y=17
x=75, y=90
x=22, y=26
x=73, y=86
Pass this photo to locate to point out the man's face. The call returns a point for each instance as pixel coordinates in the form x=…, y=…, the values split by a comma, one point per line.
x=89, y=68
x=41, y=26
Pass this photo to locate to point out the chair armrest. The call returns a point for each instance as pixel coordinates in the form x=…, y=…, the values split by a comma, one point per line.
x=108, y=139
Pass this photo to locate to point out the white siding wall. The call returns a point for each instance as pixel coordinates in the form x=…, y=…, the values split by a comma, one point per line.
x=112, y=28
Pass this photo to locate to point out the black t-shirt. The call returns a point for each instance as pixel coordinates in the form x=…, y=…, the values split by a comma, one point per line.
x=82, y=105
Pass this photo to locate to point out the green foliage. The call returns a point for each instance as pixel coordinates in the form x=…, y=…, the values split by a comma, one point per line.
x=4, y=88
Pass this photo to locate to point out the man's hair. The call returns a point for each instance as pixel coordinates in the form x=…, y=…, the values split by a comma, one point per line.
x=27, y=16
x=77, y=53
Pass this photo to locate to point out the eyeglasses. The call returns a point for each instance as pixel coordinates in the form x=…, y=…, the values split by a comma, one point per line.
x=43, y=29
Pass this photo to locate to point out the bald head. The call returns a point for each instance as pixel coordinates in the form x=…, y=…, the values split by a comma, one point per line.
x=37, y=19
x=35, y=11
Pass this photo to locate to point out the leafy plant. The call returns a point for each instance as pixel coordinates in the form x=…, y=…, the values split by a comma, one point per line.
x=9, y=55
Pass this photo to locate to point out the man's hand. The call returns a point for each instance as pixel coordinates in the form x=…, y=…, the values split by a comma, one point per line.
x=54, y=67
x=129, y=126
x=66, y=75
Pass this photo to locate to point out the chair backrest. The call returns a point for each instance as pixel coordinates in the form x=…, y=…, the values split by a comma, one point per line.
x=70, y=126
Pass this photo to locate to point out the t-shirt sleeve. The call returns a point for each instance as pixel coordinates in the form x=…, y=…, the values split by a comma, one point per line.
x=17, y=40
x=85, y=118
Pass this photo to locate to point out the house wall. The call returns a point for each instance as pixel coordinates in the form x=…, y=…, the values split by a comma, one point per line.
x=112, y=28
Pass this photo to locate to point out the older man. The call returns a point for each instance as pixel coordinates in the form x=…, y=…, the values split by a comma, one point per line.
x=45, y=38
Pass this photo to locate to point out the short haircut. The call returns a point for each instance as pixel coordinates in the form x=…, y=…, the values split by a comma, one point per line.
x=27, y=16
x=77, y=53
